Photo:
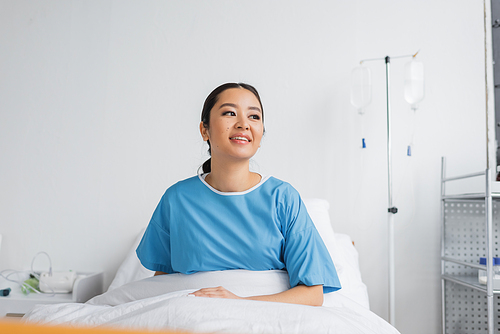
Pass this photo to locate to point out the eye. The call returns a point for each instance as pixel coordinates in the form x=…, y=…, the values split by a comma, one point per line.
x=256, y=117
x=229, y=113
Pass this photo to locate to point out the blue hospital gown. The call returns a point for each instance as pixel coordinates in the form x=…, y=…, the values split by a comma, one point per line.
x=198, y=228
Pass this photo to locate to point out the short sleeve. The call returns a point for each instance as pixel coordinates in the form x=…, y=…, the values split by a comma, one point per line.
x=306, y=257
x=154, y=249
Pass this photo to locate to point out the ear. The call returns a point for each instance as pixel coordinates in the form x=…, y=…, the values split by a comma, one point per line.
x=204, y=132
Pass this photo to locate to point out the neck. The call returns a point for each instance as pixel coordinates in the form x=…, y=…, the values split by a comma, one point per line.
x=232, y=177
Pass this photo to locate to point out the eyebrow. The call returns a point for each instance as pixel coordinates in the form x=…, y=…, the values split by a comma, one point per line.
x=235, y=106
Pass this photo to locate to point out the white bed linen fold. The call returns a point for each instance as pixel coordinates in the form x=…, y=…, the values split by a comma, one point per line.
x=178, y=311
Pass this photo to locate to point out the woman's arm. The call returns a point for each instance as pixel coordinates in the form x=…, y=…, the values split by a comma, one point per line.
x=160, y=273
x=301, y=294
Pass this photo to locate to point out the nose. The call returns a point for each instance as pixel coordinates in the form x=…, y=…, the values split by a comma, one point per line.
x=242, y=123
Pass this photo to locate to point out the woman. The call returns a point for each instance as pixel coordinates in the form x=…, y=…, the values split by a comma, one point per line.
x=231, y=218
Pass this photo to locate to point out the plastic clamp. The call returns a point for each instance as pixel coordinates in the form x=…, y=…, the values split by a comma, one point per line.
x=393, y=210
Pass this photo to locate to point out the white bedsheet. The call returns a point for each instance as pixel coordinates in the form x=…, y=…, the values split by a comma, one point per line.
x=178, y=311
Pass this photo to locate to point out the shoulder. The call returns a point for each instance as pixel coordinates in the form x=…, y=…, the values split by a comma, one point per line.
x=187, y=186
x=281, y=189
x=275, y=183
x=285, y=197
x=290, y=209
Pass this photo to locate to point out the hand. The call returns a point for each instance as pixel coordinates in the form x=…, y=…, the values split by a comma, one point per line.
x=218, y=292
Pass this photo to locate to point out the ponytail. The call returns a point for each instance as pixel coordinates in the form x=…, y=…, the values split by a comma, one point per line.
x=207, y=166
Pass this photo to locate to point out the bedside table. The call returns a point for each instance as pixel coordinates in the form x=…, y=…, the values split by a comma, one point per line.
x=86, y=286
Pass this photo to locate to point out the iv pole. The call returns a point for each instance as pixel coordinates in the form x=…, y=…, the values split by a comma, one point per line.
x=392, y=210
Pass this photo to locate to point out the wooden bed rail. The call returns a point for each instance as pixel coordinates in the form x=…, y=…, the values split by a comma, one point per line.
x=18, y=327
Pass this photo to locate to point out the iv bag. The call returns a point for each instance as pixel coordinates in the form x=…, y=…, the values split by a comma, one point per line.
x=361, y=87
x=414, y=82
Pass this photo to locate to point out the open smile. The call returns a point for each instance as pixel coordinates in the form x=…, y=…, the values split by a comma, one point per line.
x=240, y=138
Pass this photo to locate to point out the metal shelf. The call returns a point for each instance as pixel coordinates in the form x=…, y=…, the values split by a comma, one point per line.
x=463, y=263
x=469, y=282
x=472, y=196
x=469, y=232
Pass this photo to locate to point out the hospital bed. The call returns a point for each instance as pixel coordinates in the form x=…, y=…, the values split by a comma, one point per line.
x=137, y=300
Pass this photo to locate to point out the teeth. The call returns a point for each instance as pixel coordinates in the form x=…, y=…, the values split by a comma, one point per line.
x=240, y=138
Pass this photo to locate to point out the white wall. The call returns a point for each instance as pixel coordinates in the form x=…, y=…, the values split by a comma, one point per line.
x=100, y=103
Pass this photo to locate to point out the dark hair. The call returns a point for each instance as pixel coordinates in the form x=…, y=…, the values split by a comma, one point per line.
x=211, y=100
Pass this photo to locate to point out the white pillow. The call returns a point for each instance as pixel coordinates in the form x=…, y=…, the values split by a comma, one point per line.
x=131, y=268
x=345, y=259
x=318, y=211
x=243, y=283
x=342, y=252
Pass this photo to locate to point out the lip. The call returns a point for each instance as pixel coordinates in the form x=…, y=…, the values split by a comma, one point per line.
x=240, y=135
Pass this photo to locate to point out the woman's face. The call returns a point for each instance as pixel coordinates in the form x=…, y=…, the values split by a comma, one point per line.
x=236, y=126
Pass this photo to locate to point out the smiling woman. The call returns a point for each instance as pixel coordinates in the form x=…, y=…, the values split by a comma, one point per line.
x=233, y=132
x=231, y=218
x=232, y=91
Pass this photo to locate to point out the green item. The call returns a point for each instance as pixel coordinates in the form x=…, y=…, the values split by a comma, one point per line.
x=32, y=282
